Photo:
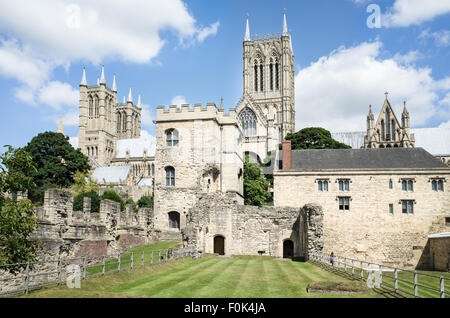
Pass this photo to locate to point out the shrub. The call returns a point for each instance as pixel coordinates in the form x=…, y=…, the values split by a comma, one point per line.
x=145, y=201
x=95, y=201
x=112, y=195
x=132, y=203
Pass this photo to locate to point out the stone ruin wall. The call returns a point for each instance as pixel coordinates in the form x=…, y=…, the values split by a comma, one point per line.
x=249, y=229
x=67, y=233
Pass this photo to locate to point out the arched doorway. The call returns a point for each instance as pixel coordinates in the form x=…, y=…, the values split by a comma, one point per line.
x=174, y=220
x=219, y=245
x=288, y=249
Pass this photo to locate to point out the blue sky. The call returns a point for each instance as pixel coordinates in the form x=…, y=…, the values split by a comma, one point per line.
x=193, y=50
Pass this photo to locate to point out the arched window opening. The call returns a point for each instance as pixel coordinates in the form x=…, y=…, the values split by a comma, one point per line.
x=388, y=126
x=153, y=170
x=124, y=121
x=174, y=220
x=248, y=120
x=277, y=76
x=91, y=107
x=256, y=75
x=261, y=77
x=172, y=138
x=170, y=176
x=271, y=74
x=383, y=136
x=393, y=129
x=96, y=106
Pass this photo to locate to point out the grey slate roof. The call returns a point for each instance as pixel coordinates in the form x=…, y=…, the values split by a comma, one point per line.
x=365, y=159
x=114, y=174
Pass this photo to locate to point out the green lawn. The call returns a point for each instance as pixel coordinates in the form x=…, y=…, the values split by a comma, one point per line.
x=242, y=276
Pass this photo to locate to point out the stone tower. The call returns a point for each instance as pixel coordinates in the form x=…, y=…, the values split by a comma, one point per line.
x=102, y=120
x=267, y=106
x=387, y=132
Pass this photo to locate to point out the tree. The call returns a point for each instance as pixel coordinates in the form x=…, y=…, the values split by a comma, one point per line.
x=255, y=185
x=83, y=183
x=56, y=162
x=112, y=195
x=145, y=201
x=95, y=201
x=314, y=138
x=133, y=204
x=17, y=222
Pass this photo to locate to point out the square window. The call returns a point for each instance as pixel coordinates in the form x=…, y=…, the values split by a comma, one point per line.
x=404, y=185
x=390, y=184
x=410, y=185
x=391, y=209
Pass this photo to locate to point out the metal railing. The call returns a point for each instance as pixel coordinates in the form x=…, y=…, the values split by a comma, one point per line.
x=53, y=272
x=401, y=281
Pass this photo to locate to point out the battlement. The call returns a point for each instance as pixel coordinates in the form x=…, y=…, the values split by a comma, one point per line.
x=265, y=38
x=195, y=112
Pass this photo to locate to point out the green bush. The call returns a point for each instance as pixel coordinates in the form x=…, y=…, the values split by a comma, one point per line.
x=95, y=201
x=145, y=201
x=36, y=195
x=112, y=195
x=132, y=203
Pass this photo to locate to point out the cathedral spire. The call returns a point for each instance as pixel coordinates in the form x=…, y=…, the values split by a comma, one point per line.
x=221, y=102
x=247, y=31
x=102, y=77
x=405, y=111
x=114, y=86
x=130, y=97
x=61, y=127
x=285, y=28
x=83, y=79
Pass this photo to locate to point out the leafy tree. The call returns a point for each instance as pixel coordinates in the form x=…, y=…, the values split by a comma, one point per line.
x=112, y=195
x=17, y=222
x=83, y=183
x=255, y=185
x=314, y=138
x=56, y=161
x=95, y=201
x=145, y=201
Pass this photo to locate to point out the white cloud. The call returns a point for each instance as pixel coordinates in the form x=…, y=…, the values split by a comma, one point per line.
x=340, y=87
x=178, y=100
x=57, y=94
x=146, y=117
x=441, y=38
x=74, y=141
x=42, y=35
x=413, y=12
x=208, y=31
x=407, y=58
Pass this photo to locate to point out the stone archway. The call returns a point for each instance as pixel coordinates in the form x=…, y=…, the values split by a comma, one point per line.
x=288, y=249
x=219, y=245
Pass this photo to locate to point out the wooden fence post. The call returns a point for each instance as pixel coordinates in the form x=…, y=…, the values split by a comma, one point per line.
x=442, y=287
x=118, y=263
x=159, y=256
x=416, y=286
x=59, y=272
x=396, y=280
x=143, y=263
x=103, y=265
x=27, y=278
x=132, y=260
x=84, y=267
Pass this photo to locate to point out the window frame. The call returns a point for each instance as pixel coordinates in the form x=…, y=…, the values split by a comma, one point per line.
x=170, y=176
x=344, y=203
x=172, y=138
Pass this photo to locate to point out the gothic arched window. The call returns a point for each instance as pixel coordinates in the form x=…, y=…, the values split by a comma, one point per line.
x=383, y=137
x=91, y=107
x=170, y=176
x=277, y=75
x=248, y=119
x=271, y=74
x=96, y=106
x=256, y=76
x=124, y=121
x=393, y=129
x=119, y=122
x=388, y=127
x=172, y=138
x=174, y=220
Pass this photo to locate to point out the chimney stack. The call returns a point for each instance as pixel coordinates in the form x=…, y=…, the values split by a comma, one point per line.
x=287, y=154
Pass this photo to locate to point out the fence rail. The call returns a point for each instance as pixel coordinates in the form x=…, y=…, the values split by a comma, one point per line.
x=401, y=281
x=55, y=272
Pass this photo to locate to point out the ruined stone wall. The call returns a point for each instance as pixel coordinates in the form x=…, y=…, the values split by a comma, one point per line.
x=368, y=231
x=129, y=191
x=250, y=229
x=66, y=233
x=440, y=253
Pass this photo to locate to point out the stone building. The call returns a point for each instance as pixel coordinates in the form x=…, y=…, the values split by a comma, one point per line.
x=198, y=150
x=267, y=106
x=388, y=132
x=378, y=204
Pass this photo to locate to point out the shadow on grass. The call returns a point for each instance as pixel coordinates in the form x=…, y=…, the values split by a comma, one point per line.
x=383, y=291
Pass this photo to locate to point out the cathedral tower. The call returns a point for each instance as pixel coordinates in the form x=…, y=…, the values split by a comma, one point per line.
x=267, y=106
